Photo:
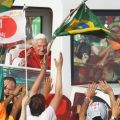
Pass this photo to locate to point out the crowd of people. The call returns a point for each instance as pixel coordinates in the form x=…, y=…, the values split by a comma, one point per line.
x=32, y=104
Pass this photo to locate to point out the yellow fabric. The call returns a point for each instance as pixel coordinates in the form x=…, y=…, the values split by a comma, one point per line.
x=2, y=111
x=7, y=3
x=10, y=118
x=74, y=23
x=85, y=30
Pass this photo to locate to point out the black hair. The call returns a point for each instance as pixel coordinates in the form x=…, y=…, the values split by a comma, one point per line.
x=115, y=67
x=37, y=104
x=10, y=79
x=97, y=118
x=84, y=47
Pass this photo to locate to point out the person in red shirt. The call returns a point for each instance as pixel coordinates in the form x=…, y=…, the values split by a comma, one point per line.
x=36, y=53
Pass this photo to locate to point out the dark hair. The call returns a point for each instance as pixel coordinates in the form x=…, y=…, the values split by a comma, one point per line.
x=37, y=104
x=10, y=79
x=97, y=118
x=84, y=47
x=115, y=67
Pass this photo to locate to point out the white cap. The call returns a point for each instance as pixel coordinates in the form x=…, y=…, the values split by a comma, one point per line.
x=39, y=36
x=97, y=109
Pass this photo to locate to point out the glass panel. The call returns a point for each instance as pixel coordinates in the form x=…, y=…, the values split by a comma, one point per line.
x=96, y=58
x=34, y=26
x=20, y=76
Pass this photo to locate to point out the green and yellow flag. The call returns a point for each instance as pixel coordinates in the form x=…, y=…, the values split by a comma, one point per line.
x=6, y=5
x=83, y=22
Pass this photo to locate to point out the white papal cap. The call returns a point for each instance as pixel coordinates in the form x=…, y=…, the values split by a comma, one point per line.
x=39, y=36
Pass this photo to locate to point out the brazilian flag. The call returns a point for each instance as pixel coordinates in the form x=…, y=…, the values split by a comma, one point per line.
x=82, y=21
x=6, y=5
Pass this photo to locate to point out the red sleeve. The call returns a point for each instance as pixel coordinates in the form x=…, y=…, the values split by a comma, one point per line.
x=22, y=54
x=49, y=62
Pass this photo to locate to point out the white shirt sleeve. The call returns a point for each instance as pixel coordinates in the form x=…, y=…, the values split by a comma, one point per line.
x=48, y=114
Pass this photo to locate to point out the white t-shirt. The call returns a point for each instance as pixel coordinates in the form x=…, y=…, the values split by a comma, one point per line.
x=48, y=114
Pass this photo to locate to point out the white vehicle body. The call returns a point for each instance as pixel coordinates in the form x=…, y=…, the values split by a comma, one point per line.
x=60, y=9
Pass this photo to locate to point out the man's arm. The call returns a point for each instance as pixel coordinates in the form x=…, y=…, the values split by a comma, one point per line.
x=9, y=98
x=40, y=77
x=25, y=101
x=47, y=87
x=115, y=109
x=17, y=105
x=89, y=96
x=58, y=87
x=108, y=90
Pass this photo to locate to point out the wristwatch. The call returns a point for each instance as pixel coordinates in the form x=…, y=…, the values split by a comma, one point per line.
x=113, y=118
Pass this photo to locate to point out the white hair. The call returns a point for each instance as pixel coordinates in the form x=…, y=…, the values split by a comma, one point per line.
x=38, y=37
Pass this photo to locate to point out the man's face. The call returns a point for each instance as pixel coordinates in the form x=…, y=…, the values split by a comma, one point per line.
x=107, y=74
x=41, y=47
x=85, y=57
x=9, y=87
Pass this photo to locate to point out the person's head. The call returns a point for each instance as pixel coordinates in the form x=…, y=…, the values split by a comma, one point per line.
x=111, y=72
x=9, y=85
x=97, y=111
x=84, y=51
x=116, y=30
x=40, y=44
x=37, y=104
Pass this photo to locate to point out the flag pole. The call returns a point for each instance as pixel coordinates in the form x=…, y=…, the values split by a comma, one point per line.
x=50, y=44
x=26, y=71
x=73, y=12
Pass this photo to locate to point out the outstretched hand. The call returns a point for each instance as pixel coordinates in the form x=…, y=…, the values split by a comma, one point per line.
x=105, y=87
x=44, y=62
x=47, y=87
x=91, y=90
x=25, y=100
x=17, y=90
x=116, y=108
x=59, y=62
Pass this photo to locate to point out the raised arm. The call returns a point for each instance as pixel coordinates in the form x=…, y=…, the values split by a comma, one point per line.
x=15, y=93
x=89, y=96
x=25, y=101
x=58, y=86
x=108, y=90
x=40, y=77
x=115, y=109
x=17, y=105
x=47, y=87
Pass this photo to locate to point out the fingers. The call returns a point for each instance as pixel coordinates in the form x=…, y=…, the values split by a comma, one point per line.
x=48, y=81
x=55, y=62
x=59, y=61
x=61, y=57
x=6, y=82
x=118, y=101
x=45, y=58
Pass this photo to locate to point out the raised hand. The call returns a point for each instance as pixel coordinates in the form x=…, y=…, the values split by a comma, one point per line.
x=47, y=87
x=17, y=90
x=105, y=87
x=43, y=62
x=59, y=62
x=91, y=90
x=116, y=108
x=25, y=100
